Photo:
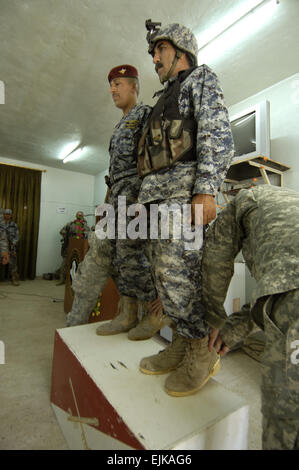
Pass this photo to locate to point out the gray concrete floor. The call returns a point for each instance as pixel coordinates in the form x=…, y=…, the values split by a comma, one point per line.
x=28, y=319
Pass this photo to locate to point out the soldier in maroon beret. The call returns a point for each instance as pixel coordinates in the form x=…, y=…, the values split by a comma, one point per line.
x=124, y=86
x=122, y=259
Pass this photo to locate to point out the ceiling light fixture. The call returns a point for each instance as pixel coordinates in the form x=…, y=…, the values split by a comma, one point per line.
x=69, y=148
x=73, y=155
x=233, y=28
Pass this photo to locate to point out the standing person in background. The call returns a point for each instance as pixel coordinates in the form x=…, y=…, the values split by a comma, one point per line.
x=12, y=233
x=78, y=228
x=4, y=256
x=122, y=259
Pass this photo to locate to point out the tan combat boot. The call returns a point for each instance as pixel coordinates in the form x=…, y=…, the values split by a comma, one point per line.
x=124, y=321
x=198, y=366
x=149, y=325
x=15, y=279
x=166, y=360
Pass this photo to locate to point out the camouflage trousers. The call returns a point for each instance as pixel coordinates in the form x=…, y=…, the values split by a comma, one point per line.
x=12, y=265
x=280, y=372
x=62, y=269
x=178, y=278
x=90, y=279
x=125, y=260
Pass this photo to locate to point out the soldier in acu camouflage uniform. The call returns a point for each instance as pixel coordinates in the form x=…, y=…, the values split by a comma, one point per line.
x=183, y=157
x=12, y=233
x=263, y=222
x=122, y=259
x=3, y=241
x=78, y=228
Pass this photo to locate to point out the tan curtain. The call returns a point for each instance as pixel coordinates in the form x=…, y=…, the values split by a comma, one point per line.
x=20, y=191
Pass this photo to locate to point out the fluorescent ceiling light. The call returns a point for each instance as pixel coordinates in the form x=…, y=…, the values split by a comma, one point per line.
x=68, y=148
x=210, y=34
x=73, y=155
x=233, y=28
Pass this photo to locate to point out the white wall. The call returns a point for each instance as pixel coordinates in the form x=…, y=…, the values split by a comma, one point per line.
x=59, y=189
x=284, y=128
x=284, y=131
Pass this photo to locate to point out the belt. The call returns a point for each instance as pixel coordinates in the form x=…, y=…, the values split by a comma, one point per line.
x=110, y=180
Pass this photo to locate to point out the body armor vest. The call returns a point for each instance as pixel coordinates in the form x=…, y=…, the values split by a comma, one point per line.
x=168, y=138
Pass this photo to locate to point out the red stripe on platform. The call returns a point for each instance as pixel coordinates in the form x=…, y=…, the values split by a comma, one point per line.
x=90, y=400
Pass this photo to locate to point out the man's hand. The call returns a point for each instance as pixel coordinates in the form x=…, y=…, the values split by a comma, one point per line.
x=208, y=209
x=5, y=257
x=156, y=306
x=217, y=342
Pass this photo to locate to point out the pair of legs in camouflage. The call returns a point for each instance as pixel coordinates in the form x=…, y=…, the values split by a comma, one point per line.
x=280, y=372
x=177, y=276
x=13, y=269
x=176, y=266
x=126, y=262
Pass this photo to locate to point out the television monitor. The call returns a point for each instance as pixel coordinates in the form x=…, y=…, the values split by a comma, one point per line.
x=251, y=132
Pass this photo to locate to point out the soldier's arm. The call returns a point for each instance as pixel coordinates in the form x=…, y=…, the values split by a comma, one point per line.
x=222, y=244
x=15, y=237
x=237, y=327
x=4, y=246
x=214, y=141
x=107, y=195
x=64, y=230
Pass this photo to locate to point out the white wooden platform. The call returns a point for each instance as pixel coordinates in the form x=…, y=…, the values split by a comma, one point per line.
x=102, y=400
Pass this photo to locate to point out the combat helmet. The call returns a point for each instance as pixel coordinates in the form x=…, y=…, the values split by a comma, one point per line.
x=178, y=35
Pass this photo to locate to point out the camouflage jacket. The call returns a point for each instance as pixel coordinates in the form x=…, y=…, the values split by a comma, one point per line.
x=3, y=240
x=263, y=222
x=71, y=230
x=12, y=233
x=123, y=143
x=3, y=237
x=201, y=99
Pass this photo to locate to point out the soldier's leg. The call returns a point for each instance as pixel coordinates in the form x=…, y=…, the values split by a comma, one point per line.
x=90, y=280
x=136, y=280
x=62, y=273
x=134, y=269
x=280, y=372
x=178, y=282
x=13, y=270
x=127, y=307
x=178, y=277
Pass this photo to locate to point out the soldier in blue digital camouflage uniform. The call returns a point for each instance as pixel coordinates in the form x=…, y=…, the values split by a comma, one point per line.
x=4, y=256
x=263, y=222
x=183, y=157
x=122, y=259
x=12, y=233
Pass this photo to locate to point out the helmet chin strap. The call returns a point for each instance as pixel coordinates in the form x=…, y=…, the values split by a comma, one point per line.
x=178, y=54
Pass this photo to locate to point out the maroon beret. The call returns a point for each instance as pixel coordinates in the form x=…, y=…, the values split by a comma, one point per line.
x=123, y=71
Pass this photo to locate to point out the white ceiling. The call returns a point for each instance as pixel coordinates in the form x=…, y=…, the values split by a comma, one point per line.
x=55, y=56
